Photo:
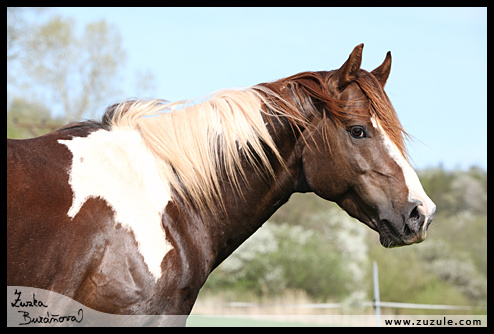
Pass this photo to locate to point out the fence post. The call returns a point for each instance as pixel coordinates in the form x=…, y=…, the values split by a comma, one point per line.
x=377, y=299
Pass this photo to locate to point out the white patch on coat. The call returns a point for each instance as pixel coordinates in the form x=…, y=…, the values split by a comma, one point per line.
x=415, y=189
x=117, y=167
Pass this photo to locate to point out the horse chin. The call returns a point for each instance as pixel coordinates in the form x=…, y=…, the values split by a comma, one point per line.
x=390, y=242
x=389, y=239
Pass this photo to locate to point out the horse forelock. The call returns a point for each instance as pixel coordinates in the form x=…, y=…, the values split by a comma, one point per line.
x=382, y=109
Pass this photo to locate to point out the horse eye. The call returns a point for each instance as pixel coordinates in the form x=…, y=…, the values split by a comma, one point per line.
x=357, y=132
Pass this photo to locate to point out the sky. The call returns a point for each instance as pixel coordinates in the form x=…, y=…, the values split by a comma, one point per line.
x=438, y=80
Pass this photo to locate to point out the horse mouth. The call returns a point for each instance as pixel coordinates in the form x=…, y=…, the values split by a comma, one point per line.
x=390, y=236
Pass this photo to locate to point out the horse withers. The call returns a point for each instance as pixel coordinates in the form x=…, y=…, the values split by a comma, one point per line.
x=131, y=214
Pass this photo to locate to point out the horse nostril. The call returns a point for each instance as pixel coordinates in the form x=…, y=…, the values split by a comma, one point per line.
x=416, y=219
x=415, y=214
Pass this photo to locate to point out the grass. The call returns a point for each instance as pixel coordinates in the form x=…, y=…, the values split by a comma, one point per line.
x=239, y=321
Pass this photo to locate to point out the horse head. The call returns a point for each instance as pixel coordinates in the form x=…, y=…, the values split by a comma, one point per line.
x=356, y=156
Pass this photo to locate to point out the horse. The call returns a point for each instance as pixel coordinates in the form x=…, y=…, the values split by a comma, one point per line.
x=130, y=214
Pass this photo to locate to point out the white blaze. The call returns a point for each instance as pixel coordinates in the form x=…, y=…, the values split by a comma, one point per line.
x=117, y=167
x=415, y=190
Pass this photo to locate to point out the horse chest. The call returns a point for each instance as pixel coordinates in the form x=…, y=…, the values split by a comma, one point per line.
x=116, y=167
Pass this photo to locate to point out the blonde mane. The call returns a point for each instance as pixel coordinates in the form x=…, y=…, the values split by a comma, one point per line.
x=199, y=147
x=193, y=144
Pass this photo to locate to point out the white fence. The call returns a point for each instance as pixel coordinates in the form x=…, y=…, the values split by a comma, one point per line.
x=377, y=304
x=341, y=305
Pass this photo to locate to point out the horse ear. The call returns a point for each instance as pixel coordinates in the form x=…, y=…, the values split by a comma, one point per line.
x=348, y=71
x=382, y=72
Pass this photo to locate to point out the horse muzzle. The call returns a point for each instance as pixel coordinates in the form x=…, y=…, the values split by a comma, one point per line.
x=410, y=229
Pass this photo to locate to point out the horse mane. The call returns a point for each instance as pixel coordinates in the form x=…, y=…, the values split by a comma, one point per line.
x=197, y=147
x=192, y=144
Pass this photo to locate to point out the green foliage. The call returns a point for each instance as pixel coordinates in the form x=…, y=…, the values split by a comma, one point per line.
x=456, y=191
x=280, y=257
x=28, y=119
x=405, y=276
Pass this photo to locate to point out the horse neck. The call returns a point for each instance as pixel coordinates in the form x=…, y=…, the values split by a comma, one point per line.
x=246, y=212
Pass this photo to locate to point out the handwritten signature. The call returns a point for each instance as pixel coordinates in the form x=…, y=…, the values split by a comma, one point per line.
x=42, y=319
x=20, y=303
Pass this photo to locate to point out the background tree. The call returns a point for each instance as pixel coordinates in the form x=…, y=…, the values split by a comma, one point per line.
x=27, y=119
x=59, y=72
x=74, y=73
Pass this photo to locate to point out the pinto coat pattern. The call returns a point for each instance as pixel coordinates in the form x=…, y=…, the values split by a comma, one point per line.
x=131, y=214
